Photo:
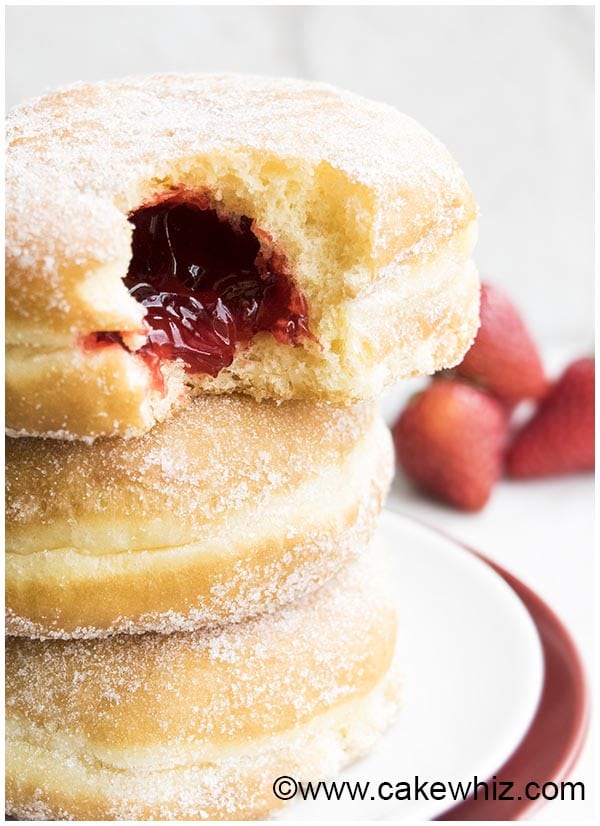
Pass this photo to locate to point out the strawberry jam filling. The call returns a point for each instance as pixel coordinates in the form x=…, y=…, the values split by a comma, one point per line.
x=207, y=285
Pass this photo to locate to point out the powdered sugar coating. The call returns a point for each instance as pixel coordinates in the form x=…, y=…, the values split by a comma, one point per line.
x=246, y=591
x=359, y=199
x=193, y=725
x=227, y=509
x=145, y=672
x=80, y=158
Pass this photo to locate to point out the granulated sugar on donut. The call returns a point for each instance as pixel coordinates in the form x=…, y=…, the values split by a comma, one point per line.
x=358, y=228
x=227, y=509
x=199, y=725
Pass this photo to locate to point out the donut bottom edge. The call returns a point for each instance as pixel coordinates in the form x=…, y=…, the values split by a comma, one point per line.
x=199, y=725
x=238, y=787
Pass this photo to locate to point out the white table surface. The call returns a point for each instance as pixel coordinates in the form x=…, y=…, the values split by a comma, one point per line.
x=543, y=533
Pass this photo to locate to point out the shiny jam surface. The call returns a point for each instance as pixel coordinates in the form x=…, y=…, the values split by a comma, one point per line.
x=206, y=286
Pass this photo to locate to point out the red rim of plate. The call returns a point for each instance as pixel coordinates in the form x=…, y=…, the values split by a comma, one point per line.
x=555, y=737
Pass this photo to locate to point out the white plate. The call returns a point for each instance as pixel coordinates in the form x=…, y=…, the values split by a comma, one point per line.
x=472, y=665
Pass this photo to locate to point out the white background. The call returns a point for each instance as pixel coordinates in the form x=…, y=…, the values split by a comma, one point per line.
x=509, y=91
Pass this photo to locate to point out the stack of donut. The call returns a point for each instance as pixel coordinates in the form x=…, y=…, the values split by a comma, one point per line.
x=210, y=279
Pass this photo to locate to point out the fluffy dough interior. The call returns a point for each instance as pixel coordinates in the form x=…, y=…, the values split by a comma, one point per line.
x=372, y=214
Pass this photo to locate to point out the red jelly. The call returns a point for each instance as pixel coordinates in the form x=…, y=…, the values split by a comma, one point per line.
x=93, y=341
x=207, y=286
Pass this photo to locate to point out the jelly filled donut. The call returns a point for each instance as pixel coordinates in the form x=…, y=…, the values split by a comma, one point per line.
x=227, y=509
x=174, y=234
x=199, y=725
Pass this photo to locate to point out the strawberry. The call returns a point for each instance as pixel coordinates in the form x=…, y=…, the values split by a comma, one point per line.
x=503, y=358
x=559, y=438
x=450, y=441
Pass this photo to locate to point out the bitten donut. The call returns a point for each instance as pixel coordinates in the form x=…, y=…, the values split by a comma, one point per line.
x=228, y=508
x=198, y=725
x=176, y=234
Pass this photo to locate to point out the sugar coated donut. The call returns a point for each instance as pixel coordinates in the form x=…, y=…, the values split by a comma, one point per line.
x=228, y=508
x=199, y=725
x=174, y=234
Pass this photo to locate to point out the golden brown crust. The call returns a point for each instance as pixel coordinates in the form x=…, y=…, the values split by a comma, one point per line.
x=65, y=394
x=357, y=195
x=199, y=725
x=229, y=508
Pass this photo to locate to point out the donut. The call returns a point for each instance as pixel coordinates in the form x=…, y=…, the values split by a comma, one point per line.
x=228, y=508
x=169, y=235
x=198, y=725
